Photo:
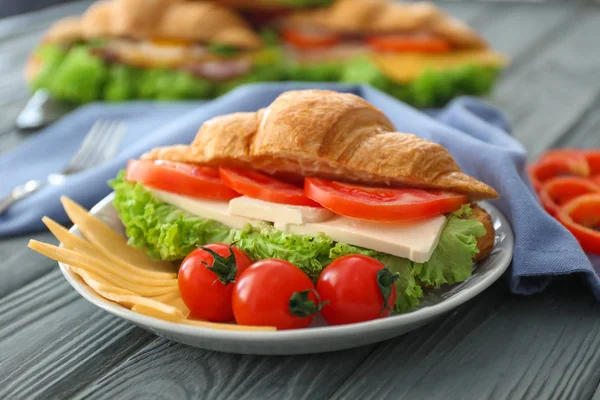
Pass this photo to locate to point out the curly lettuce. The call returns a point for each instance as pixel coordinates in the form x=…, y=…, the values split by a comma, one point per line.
x=433, y=88
x=451, y=262
x=166, y=232
x=79, y=76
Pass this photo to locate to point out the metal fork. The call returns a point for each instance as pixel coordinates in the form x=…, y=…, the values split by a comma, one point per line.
x=100, y=145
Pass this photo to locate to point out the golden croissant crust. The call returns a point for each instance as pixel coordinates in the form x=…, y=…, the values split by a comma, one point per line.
x=330, y=135
x=195, y=21
x=386, y=16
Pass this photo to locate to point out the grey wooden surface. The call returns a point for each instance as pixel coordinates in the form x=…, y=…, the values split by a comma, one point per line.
x=53, y=344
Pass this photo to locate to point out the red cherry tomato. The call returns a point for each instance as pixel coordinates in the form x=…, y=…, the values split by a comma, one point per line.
x=274, y=292
x=409, y=43
x=381, y=204
x=206, y=280
x=180, y=178
x=557, y=191
x=356, y=288
x=310, y=40
x=260, y=186
x=581, y=216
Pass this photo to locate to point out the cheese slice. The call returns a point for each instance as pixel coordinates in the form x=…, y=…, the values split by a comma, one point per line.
x=415, y=240
x=274, y=212
x=406, y=67
x=216, y=210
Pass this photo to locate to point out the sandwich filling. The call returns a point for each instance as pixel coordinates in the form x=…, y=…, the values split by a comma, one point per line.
x=437, y=250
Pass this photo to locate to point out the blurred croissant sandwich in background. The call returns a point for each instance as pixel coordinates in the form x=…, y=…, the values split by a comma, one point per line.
x=413, y=51
x=176, y=49
x=314, y=176
x=158, y=49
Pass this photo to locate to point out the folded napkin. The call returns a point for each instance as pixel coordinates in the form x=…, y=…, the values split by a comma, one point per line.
x=475, y=134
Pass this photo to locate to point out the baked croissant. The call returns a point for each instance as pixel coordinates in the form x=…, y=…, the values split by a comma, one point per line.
x=327, y=134
x=385, y=16
x=195, y=21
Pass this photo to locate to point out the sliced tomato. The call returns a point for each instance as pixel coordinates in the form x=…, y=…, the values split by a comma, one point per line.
x=409, y=43
x=381, y=204
x=593, y=159
x=310, y=40
x=558, y=162
x=557, y=191
x=581, y=217
x=180, y=178
x=264, y=187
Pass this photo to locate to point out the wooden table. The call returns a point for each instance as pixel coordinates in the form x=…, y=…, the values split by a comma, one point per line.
x=53, y=344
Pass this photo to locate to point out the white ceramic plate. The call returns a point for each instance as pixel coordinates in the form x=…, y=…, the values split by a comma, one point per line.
x=319, y=338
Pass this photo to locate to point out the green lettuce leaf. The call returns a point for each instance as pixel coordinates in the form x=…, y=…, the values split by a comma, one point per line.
x=80, y=78
x=52, y=57
x=164, y=84
x=122, y=83
x=164, y=231
x=451, y=261
x=432, y=88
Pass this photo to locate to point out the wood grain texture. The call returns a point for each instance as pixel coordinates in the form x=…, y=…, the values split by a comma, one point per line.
x=497, y=346
x=586, y=132
x=52, y=341
x=547, y=96
x=20, y=265
x=165, y=369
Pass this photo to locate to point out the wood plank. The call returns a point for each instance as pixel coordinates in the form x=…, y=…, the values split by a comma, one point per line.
x=170, y=370
x=20, y=265
x=40, y=20
x=586, y=132
x=545, y=97
x=495, y=347
x=53, y=342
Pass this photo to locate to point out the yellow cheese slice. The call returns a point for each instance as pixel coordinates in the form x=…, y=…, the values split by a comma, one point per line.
x=108, y=242
x=126, y=298
x=75, y=243
x=138, y=285
x=228, y=327
x=406, y=67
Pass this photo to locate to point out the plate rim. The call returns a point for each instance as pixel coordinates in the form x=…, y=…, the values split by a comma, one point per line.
x=411, y=318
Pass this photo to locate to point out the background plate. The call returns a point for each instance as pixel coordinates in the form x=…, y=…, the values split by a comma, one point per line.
x=318, y=338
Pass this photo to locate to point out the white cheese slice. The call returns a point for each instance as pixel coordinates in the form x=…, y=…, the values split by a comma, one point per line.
x=216, y=210
x=415, y=240
x=274, y=212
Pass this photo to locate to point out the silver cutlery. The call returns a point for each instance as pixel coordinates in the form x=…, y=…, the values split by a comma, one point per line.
x=41, y=109
x=100, y=145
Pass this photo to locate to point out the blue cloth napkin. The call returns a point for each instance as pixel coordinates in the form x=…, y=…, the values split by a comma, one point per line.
x=474, y=132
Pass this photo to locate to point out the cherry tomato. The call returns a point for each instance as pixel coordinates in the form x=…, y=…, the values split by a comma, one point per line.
x=260, y=186
x=558, y=162
x=558, y=191
x=206, y=280
x=356, y=288
x=581, y=216
x=274, y=292
x=180, y=178
x=310, y=40
x=409, y=43
x=381, y=204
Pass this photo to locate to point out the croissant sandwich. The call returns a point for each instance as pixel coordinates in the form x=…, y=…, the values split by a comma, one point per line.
x=315, y=176
x=413, y=51
x=158, y=49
